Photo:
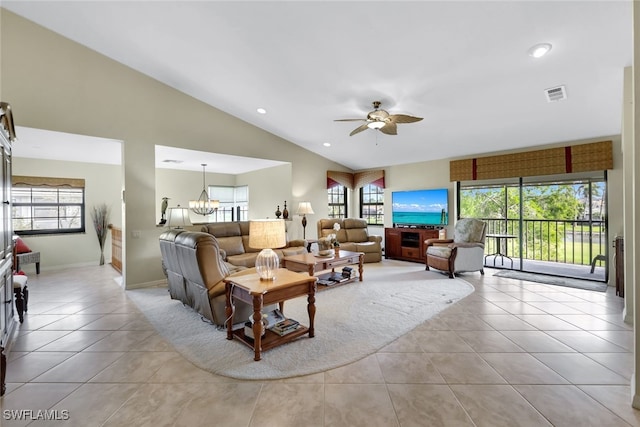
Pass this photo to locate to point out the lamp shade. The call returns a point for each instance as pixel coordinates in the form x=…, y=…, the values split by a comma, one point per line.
x=178, y=217
x=267, y=234
x=304, y=208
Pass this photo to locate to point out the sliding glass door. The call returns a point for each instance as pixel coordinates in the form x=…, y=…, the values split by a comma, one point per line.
x=552, y=226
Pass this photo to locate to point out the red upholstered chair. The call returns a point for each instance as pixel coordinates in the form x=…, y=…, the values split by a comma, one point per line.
x=20, y=289
x=25, y=255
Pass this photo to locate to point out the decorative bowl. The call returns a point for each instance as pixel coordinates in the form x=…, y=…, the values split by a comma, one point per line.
x=325, y=252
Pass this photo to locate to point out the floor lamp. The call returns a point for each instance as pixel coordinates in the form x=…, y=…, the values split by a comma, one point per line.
x=304, y=208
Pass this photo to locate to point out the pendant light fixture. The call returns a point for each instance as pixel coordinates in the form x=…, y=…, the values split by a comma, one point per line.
x=204, y=205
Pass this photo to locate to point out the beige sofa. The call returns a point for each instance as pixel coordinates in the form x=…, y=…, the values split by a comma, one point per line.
x=353, y=236
x=233, y=239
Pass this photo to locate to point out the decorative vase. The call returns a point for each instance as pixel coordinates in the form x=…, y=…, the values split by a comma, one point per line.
x=278, y=213
x=336, y=250
x=285, y=212
x=101, y=258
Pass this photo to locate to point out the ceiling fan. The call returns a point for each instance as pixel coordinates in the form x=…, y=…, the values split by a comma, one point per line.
x=381, y=120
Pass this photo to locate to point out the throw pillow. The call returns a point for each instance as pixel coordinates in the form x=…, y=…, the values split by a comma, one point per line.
x=21, y=246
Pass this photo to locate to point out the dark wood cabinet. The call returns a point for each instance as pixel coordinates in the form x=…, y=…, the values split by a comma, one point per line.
x=407, y=243
x=7, y=308
x=618, y=243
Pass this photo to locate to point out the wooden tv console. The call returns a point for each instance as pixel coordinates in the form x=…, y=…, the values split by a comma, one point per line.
x=407, y=243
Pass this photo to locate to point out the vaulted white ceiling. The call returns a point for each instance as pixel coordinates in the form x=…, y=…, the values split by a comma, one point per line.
x=462, y=65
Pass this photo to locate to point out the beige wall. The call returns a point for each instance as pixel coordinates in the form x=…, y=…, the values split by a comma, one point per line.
x=181, y=186
x=55, y=84
x=78, y=91
x=103, y=184
x=268, y=188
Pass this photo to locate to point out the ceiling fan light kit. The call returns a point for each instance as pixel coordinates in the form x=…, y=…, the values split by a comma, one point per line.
x=381, y=120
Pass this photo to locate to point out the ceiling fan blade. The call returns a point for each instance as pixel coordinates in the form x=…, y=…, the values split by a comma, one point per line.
x=350, y=120
x=390, y=128
x=403, y=118
x=359, y=129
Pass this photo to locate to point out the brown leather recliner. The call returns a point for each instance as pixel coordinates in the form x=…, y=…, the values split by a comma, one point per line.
x=171, y=266
x=203, y=270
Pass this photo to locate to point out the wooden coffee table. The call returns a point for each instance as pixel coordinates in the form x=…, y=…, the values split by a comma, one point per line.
x=250, y=289
x=313, y=263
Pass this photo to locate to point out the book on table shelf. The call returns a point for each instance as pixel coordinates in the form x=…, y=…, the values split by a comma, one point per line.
x=269, y=320
x=272, y=318
x=335, y=278
x=285, y=327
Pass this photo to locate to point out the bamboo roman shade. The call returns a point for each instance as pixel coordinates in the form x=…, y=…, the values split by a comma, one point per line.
x=355, y=180
x=575, y=158
x=40, y=181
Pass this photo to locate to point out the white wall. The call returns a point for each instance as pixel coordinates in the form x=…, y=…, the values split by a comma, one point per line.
x=103, y=184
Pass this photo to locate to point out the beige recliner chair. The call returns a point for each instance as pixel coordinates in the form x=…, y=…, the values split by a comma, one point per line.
x=463, y=253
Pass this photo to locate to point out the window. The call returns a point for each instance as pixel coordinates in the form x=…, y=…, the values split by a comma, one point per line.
x=337, y=196
x=47, y=205
x=234, y=203
x=372, y=204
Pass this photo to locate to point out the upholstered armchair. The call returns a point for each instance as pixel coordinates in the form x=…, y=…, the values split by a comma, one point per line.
x=463, y=253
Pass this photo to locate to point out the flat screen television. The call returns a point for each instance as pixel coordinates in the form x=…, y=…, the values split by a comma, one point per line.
x=420, y=207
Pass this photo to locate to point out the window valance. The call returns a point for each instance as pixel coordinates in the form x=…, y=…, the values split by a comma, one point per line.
x=369, y=177
x=336, y=178
x=42, y=181
x=574, y=158
x=355, y=180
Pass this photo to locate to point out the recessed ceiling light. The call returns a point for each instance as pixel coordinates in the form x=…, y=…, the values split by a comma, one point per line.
x=327, y=144
x=261, y=111
x=539, y=50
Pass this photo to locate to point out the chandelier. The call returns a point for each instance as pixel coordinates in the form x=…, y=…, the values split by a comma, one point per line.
x=204, y=205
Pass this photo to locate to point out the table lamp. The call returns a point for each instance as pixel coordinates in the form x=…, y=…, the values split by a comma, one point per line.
x=267, y=234
x=304, y=208
x=178, y=217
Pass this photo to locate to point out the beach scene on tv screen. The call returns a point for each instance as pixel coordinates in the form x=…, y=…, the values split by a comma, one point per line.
x=421, y=207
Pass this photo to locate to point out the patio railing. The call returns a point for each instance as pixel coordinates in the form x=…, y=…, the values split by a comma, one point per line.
x=570, y=242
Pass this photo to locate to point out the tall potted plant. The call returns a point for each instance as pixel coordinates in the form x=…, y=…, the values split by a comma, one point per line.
x=100, y=216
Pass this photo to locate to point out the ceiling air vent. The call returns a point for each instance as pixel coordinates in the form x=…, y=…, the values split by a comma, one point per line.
x=558, y=93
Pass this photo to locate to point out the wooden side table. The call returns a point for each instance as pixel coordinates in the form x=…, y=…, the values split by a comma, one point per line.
x=252, y=290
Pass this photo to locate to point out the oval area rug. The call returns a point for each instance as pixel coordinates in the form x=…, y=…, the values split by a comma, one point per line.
x=352, y=321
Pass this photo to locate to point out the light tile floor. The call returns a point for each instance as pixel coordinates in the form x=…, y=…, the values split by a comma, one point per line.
x=511, y=354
